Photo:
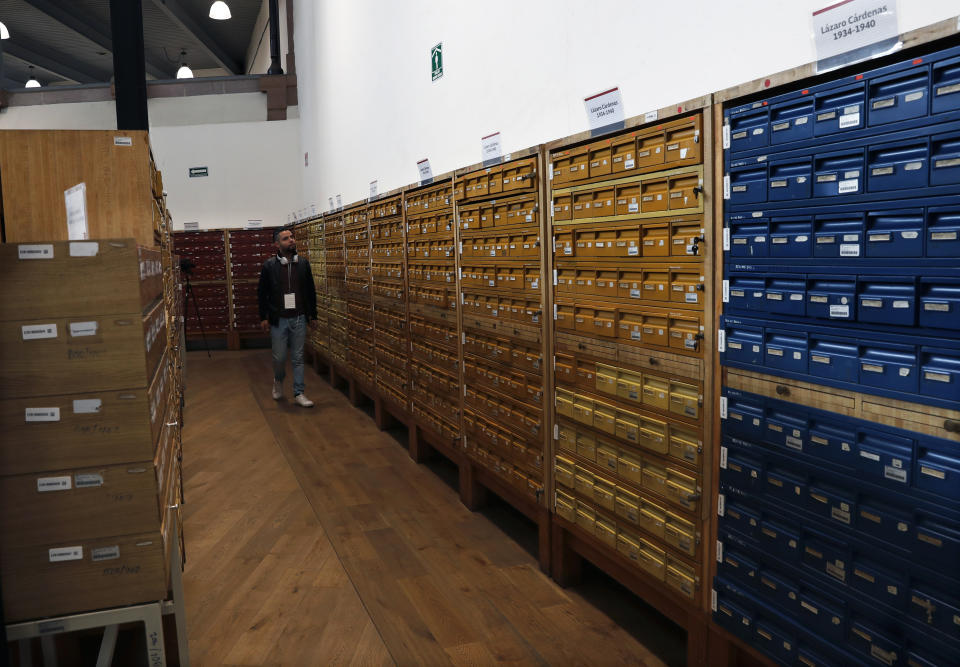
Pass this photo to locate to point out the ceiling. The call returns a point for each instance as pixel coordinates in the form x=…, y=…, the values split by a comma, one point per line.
x=68, y=42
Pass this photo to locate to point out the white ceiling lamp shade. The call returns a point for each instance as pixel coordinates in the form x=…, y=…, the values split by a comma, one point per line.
x=219, y=11
x=184, y=72
x=32, y=81
x=5, y=34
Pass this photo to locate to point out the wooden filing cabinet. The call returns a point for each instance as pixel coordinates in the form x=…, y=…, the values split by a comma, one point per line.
x=633, y=288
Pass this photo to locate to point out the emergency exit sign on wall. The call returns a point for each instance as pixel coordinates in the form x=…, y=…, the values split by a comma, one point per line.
x=436, y=61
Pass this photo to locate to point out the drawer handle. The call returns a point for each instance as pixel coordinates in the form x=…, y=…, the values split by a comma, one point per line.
x=581, y=346
x=782, y=390
x=653, y=362
x=951, y=425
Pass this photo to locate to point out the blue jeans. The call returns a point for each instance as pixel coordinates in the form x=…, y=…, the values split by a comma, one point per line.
x=290, y=331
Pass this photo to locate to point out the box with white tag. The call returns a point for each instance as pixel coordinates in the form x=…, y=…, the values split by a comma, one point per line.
x=123, y=186
x=78, y=278
x=59, y=578
x=55, y=355
x=89, y=428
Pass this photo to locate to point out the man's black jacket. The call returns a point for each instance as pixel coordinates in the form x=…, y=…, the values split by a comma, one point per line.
x=271, y=288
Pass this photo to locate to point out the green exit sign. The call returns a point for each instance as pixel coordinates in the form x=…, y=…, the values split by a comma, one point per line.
x=436, y=61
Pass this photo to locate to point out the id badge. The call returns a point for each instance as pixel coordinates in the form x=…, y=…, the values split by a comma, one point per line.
x=290, y=301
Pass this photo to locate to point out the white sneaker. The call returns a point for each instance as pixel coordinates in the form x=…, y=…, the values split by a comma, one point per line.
x=277, y=390
x=302, y=401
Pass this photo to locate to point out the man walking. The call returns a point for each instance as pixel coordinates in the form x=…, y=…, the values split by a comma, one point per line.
x=288, y=300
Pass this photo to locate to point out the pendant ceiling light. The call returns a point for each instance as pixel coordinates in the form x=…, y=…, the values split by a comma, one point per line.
x=4, y=33
x=32, y=81
x=184, y=72
x=219, y=11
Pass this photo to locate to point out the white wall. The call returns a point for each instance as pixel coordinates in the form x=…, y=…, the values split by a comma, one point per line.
x=255, y=166
x=370, y=111
x=254, y=172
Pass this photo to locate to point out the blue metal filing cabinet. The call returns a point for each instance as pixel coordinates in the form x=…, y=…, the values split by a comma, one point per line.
x=838, y=536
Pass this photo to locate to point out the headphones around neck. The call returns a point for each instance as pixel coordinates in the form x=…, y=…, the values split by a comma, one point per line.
x=284, y=261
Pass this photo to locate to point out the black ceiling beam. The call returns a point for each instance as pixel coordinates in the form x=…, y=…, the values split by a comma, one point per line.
x=94, y=31
x=53, y=61
x=130, y=77
x=179, y=15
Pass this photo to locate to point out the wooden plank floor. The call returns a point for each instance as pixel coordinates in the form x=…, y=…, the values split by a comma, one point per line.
x=313, y=539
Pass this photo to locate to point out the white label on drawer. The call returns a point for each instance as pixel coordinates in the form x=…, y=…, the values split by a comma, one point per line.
x=726, y=136
x=913, y=166
x=798, y=355
x=932, y=472
x=45, y=484
x=690, y=297
x=84, y=248
x=35, y=251
x=719, y=551
x=939, y=307
x=723, y=407
x=726, y=291
x=42, y=414
x=721, y=340
x=774, y=352
x=794, y=443
x=850, y=119
x=896, y=474
x=850, y=185
x=952, y=162
x=904, y=372
x=901, y=304
x=721, y=504
x=123, y=141
x=796, y=297
x=726, y=187
x=871, y=303
x=87, y=480
x=38, y=331
x=839, y=311
x=943, y=236
x=849, y=250
x=936, y=377
x=105, y=553
x=61, y=554
x=78, y=329
x=909, y=235
x=628, y=164
x=882, y=171
x=649, y=117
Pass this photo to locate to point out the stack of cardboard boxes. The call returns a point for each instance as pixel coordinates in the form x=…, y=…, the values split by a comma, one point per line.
x=91, y=415
x=90, y=392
